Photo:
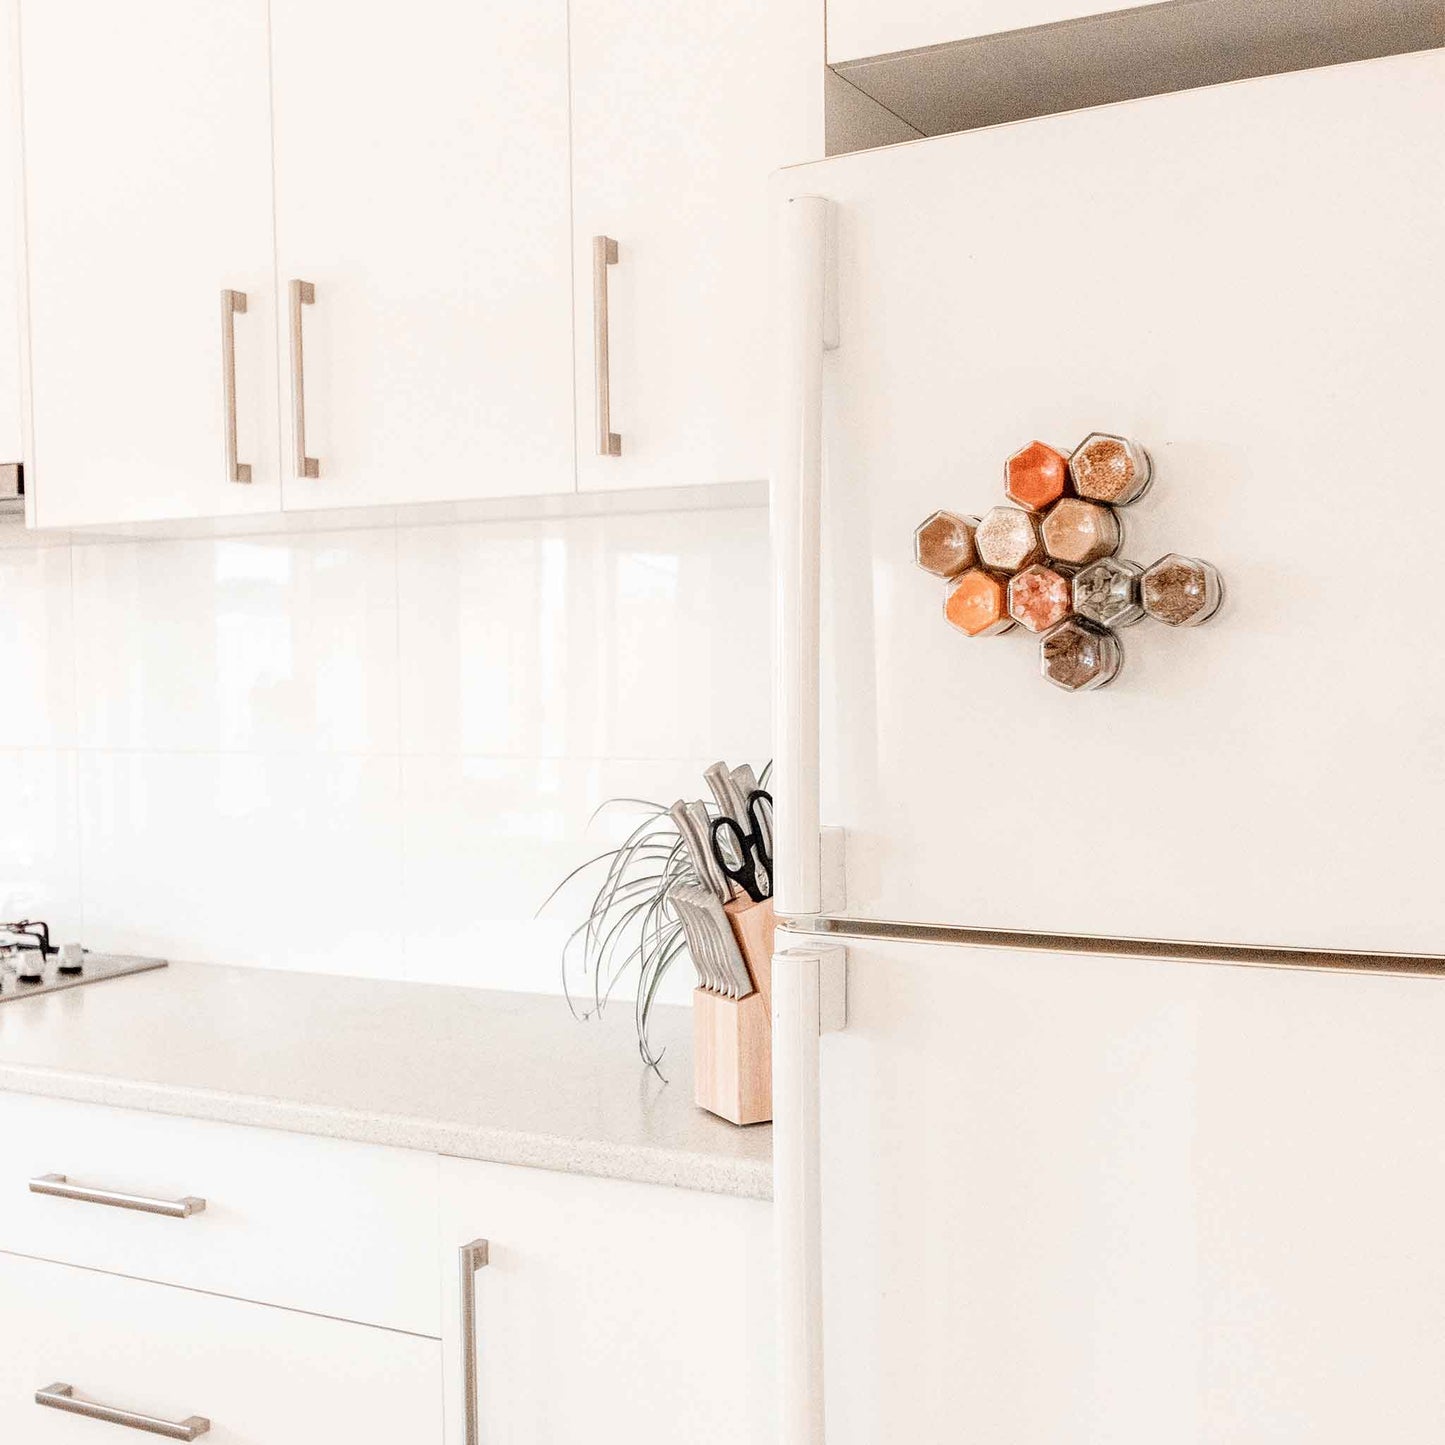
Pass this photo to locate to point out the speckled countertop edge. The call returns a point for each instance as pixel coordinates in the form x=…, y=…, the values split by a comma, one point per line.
x=712, y=1174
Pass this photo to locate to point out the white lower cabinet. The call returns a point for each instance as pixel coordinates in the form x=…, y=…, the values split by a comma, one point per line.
x=293, y=1289
x=609, y=1312
x=285, y=1217
x=260, y=1376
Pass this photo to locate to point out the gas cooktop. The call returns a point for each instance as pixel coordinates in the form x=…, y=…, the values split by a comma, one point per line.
x=29, y=964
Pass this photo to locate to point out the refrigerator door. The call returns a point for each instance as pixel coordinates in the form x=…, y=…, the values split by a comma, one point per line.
x=1249, y=281
x=1105, y=1200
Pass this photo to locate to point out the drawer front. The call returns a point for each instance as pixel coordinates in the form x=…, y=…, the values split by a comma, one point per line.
x=325, y=1225
x=260, y=1376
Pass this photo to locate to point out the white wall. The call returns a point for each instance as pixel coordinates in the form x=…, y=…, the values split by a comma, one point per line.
x=369, y=751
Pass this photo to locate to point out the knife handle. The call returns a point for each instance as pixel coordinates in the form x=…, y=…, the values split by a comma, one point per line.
x=731, y=804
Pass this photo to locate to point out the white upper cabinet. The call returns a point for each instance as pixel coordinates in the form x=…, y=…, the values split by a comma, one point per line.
x=680, y=111
x=407, y=197
x=148, y=185
x=422, y=190
x=859, y=28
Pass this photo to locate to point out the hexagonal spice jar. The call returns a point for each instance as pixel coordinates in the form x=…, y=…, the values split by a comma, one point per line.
x=977, y=604
x=1077, y=532
x=1007, y=540
x=1107, y=592
x=943, y=545
x=1110, y=469
x=1039, y=598
x=1036, y=477
x=1078, y=657
x=1181, y=591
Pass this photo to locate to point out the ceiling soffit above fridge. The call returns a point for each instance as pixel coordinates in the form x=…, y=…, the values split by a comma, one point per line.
x=1123, y=55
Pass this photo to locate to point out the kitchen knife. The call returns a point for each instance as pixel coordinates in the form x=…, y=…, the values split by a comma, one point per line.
x=709, y=932
x=731, y=803
x=711, y=875
x=698, y=855
x=746, y=782
x=696, y=943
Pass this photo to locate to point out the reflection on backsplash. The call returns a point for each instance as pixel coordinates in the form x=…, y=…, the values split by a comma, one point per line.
x=363, y=752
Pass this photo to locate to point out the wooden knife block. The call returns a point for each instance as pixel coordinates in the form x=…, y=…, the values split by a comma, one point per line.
x=732, y=1038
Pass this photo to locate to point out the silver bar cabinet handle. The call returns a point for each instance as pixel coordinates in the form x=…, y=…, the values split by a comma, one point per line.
x=62, y=1397
x=59, y=1187
x=473, y=1256
x=233, y=304
x=604, y=254
x=303, y=293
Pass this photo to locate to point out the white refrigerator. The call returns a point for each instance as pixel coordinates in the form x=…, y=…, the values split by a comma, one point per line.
x=1134, y=1127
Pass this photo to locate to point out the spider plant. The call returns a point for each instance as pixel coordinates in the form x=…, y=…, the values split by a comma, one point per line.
x=628, y=924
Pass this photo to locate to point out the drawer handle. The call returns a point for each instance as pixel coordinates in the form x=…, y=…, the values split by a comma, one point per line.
x=62, y=1397
x=303, y=293
x=58, y=1186
x=604, y=254
x=474, y=1256
x=233, y=304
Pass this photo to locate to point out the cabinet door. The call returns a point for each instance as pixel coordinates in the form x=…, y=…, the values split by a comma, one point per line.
x=860, y=28
x=148, y=181
x=422, y=188
x=610, y=1312
x=680, y=112
x=260, y=1376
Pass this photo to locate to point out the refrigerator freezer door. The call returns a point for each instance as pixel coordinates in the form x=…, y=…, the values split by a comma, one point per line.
x=1103, y=1200
x=1247, y=280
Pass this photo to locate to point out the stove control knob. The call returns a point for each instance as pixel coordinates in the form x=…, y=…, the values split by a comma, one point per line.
x=30, y=965
x=72, y=958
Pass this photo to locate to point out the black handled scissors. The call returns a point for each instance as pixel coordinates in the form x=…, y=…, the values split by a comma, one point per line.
x=747, y=858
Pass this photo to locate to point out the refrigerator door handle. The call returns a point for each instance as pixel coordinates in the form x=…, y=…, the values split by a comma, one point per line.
x=809, y=999
x=808, y=312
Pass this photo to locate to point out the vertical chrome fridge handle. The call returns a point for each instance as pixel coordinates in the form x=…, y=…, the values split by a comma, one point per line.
x=797, y=513
x=810, y=998
x=233, y=304
x=473, y=1257
x=604, y=254
x=303, y=293
x=61, y=1397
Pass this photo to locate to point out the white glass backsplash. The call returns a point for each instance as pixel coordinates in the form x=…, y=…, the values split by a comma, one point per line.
x=370, y=751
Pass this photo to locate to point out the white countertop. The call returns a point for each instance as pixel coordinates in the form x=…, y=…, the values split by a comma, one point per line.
x=507, y=1077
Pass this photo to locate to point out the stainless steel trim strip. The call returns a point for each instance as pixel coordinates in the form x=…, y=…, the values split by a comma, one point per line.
x=472, y=1257
x=303, y=293
x=62, y=1397
x=604, y=254
x=233, y=304
x=59, y=1187
x=1165, y=950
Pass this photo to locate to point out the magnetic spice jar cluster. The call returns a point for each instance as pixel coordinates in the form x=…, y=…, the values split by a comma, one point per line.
x=1048, y=562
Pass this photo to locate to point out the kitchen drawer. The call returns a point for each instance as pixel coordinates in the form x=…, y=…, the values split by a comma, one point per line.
x=261, y=1376
x=325, y=1225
